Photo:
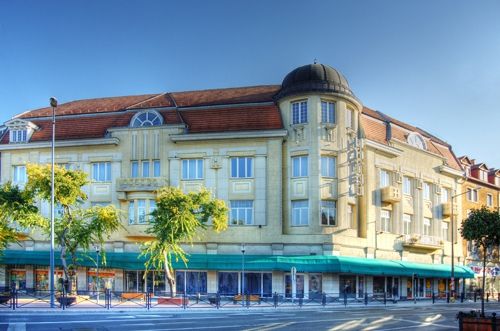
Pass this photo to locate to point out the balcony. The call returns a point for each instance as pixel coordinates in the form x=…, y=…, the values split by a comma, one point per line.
x=447, y=209
x=422, y=242
x=391, y=194
x=140, y=184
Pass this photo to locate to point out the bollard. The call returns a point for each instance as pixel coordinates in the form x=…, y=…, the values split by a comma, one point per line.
x=217, y=300
x=345, y=298
x=301, y=302
x=447, y=297
x=13, y=298
x=184, y=301
x=462, y=297
x=275, y=299
x=323, y=299
x=488, y=297
x=433, y=298
x=475, y=296
x=385, y=298
x=494, y=321
x=366, y=298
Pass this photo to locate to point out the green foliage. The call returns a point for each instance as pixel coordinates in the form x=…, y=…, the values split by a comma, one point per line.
x=17, y=211
x=77, y=228
x=177, y=219
x=482, y=227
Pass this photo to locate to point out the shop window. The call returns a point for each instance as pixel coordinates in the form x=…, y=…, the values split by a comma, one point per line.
x=347, y=285
x=191, y=282
x=315, y=286
x=228, y=283
x=299, y=286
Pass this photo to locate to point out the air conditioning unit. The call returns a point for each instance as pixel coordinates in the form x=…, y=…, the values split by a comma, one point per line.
x=391, y=194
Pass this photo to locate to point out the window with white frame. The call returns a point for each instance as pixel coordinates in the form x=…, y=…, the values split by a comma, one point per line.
x=156, y=168
x=145, y=168
x=406, y=185
x=101, y=171
x=139, y=211
x=327, y=112
x=427, y=226
x=445, y=195
x=328, y=166
x=483, y=175
x=299, y=112
x=19, y=175
x=134, y=169
x=407, y=224
x=385, y=220
x=472, y=194
x=18, y=136
x=349, y=118
x=427, y=191
x=489, y=200
x=444, y=231
x=328, y=212
x=300, y=166
x=146, y=118
x=241, y=167
x=241, y=212
x=300, y=212
x=192, y=169
x=385, y=179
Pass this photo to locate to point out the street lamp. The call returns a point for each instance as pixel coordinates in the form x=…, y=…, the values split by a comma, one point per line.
x=97, y=272
x=452, y=221
x=243, y=275
x=53, y=104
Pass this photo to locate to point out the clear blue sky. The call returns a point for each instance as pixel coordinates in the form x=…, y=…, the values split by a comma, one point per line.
x=433, y=64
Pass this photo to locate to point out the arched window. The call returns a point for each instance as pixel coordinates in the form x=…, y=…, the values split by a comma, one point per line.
x=146, y=118
x=416, y=140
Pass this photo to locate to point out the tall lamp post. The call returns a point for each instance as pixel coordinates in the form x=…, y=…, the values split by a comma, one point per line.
x=243, y=275
x=53, y=104
x=452, y=221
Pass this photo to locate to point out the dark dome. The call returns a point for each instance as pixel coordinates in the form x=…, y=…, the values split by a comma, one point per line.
x=314, y=78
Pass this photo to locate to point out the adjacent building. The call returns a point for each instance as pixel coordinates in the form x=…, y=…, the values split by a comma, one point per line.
x=327, y=195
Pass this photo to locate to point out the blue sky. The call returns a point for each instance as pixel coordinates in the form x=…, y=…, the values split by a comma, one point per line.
x=433, y=64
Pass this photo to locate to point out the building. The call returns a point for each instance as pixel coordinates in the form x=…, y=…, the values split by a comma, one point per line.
x=482, y=188
x=326, y=194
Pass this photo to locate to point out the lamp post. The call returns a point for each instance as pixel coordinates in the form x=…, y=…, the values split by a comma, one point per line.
x=53, y=104
x=243, y=275
x=452, y=221
x=97, y=272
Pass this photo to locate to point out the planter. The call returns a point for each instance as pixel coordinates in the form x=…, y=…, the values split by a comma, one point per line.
x=172, y=301
x=473, y=322
x=67, y=301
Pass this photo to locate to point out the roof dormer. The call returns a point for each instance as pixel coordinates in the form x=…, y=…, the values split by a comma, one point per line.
x=20, y=130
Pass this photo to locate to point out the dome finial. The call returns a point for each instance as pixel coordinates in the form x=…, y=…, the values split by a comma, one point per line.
x=315, y=61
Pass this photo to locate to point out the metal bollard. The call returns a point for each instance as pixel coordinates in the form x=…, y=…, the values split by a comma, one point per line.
x=275, y=299
x=217, y=300
x=462, y=297
x=366, y=298
x=385, y=298
x=301, y=301
x=433, y=298
x=345, y=298
x=475, y=296
x=488, y=297
x=447, y=297
x=323, y=299
x=184, y=301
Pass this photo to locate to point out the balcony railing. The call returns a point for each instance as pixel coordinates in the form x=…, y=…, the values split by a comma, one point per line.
x=422, y=241
x=128, y=184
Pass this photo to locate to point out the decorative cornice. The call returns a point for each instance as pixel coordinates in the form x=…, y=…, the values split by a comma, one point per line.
x=61, y=143
x=229, y=135
x=450, y=171
x=394, y=152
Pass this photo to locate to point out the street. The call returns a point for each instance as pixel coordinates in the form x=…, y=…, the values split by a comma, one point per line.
x=430, y=317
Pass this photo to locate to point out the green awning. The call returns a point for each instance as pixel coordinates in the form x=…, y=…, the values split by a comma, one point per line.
x=227, y=262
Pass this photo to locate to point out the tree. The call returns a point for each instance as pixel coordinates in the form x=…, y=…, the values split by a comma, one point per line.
x=17, y=211
x=76, y=227
x=482, y=228
x=177, y=219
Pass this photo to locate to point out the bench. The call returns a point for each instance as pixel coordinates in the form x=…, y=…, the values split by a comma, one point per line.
x=127, y=296
x=251, y=298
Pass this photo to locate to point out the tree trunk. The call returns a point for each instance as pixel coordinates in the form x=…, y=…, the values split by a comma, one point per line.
x=170, y=278
x=484, y=281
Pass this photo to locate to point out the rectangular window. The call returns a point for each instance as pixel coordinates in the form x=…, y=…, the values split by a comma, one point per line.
x=300, y=212
x=472, y=194
x=131, y=212
x=406, y=185
x=228, y=283
x=17, y=136
x=299, y=112
x=300, y=166
x=192, y=169
x=20, y=174
x=241, y=167
x=385, y=179
x=385, y=220
x=489, y=200
x=241, y=212
x=427, y=227
x=156, y=168
x=328, y=212
x=101, y=172
x=444, y=195
x=152, y=208
x=349, y=118
x=194, y=282
x=327, y=112
x=483, y=175
x=328, y=166
x=145, y=168
x=141, y=211
x=406, y=224
x=444, y=231
x=134, y=168
x=427, y=191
